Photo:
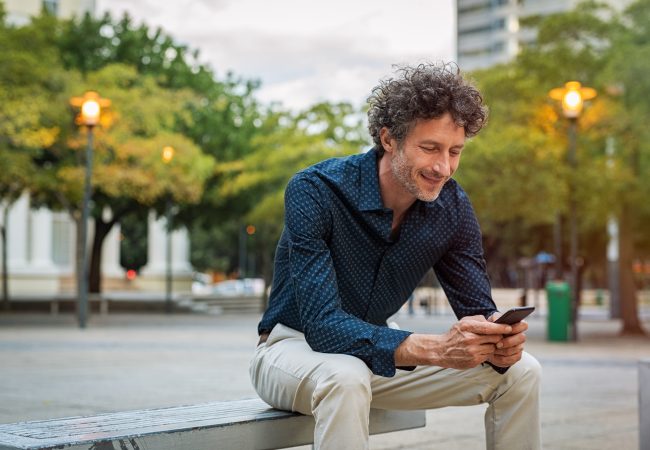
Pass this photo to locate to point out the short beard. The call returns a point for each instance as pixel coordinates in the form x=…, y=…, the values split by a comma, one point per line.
x=402, y=172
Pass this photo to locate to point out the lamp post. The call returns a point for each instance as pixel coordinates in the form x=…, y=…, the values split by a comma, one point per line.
x=573, y=96
x=167, y=156
x=90, y=112
x=250, y=262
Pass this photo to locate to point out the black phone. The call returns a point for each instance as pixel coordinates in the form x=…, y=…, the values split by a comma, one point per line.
x=515, y=315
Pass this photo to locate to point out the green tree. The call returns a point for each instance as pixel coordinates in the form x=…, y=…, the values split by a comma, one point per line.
x=251, y=189
x=626, y=77
x=222, y=120
x=517, y=172
x=129, y=171
x=30, y=77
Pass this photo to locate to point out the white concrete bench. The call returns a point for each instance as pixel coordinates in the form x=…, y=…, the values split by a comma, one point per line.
x=243, y=424
x=644, y=404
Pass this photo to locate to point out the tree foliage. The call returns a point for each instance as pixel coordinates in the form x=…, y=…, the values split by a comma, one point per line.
x=148, y=110
x=234, y=156
x=517, y=171
x=250, y=189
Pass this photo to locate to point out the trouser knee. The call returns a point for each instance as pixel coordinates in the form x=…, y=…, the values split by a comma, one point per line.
x=527, y=372
x=350, y=388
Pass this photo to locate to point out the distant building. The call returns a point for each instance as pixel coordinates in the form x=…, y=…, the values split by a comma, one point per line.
x=489, y=32
x=19, y=11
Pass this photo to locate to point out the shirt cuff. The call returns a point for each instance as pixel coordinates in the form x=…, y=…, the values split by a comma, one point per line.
x=386, y=341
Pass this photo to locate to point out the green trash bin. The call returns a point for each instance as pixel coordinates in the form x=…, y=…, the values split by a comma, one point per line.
x=558, y=294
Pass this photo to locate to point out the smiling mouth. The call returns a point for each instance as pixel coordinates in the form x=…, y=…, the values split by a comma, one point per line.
x=433, y=179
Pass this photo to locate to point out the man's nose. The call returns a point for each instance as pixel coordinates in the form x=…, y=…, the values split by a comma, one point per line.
x=441, y=165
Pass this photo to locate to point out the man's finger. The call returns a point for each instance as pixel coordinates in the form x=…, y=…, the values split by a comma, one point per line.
x=519, y=327
x=510, y=351
x=486, y=349
x=512, y=340
x=485, y=327
x=505, y=361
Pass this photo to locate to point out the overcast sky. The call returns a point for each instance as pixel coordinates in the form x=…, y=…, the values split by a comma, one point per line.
x=304, y=51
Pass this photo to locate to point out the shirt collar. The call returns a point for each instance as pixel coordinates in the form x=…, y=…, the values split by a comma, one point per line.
x=370, y=196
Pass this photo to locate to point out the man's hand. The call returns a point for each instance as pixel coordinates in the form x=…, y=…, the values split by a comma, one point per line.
x=470, y=342
x=508, y=351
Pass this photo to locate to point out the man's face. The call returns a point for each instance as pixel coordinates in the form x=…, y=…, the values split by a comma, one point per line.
x=428, y=157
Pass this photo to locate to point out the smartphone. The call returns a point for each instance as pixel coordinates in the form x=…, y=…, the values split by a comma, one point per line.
x=515, y=315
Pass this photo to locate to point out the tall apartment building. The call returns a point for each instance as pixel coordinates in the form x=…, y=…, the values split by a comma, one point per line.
x=489, y=31
x=19, y=11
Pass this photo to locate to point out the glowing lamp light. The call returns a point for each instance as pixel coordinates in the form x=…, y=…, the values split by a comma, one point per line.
x=167, y=154
x=90, y=112
x=250, y=230
x=572, y=101
x=572, y=95
x=91, y=105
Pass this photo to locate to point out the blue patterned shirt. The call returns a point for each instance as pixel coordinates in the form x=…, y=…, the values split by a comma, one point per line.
x=340, y=273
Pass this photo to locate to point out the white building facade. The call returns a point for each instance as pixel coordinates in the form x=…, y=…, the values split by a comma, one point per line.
x=41, y=254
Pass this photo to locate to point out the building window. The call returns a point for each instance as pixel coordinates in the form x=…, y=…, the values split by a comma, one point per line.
x=496, y=25
x=480, y=7
x=494, y=48
x=51, y=6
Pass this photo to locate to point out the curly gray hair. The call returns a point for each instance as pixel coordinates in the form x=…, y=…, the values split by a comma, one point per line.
x=426, y=91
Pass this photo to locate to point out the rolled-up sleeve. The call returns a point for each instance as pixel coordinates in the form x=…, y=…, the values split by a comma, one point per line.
x=327, y=327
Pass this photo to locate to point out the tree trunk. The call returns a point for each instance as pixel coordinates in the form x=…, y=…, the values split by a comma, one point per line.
x=101, y=231
x=628, y=291
x=5, y=268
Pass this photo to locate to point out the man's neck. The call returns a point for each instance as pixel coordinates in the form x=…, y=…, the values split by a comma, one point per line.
x=393, y=194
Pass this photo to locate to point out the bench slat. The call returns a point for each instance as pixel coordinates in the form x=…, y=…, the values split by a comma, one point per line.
x=249, y=424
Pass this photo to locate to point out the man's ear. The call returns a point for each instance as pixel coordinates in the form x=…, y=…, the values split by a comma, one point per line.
x=387, y=141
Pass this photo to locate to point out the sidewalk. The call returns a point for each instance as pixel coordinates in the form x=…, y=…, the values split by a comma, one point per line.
x=50, y=369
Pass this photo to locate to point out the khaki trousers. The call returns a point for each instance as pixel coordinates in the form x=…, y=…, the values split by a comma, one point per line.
x=339, y=390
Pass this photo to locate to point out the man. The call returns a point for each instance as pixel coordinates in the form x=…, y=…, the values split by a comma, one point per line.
x=359, y=234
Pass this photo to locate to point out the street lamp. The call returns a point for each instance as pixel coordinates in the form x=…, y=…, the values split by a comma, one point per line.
x=167, y=156
x=244, y=233
x=573, y=95
x=90, y=105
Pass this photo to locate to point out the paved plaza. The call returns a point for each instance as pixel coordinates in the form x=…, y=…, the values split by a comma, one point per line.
x=49, y=368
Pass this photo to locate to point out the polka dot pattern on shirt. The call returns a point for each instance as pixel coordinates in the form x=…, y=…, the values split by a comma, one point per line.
x=339, y=274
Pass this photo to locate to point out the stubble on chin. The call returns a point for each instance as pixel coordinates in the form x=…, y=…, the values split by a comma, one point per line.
x=406, y=176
